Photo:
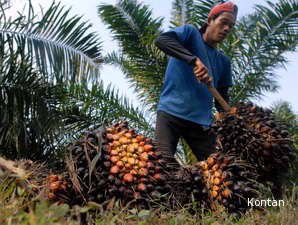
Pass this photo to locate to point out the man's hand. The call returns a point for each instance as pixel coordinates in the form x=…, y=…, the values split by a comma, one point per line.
x=201, y=72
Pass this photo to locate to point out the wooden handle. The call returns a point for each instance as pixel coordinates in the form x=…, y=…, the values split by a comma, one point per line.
x=219, y=98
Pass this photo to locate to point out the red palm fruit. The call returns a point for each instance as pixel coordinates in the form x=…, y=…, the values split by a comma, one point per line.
x=140, y=138
x=134, y=172
x=116, y=137
x=131, y=149
x=142, y=164
x=140, y=149
x=53, y=178
x=142, y=143
x=127, y=165
x=141, y=187
x=134, y=140
x=215, y=188
x=123, y=140
x=203, y=165
x=116, y=143
x=216, y=181
x=157, y=176
x=214, y=194
x=148, y=148
x=217, y=174
x=54, y=186
x=109, y=136
x=114, y=169
x=120, y=164
x=210, y=161
x=144, y=156
x=215, y=167
x=143, y=172
x=114, y=159
x=114, y=152
x=226, y=193
x=148, y=140
x=128, y=135
x=131, y=160
x=128, y=178
x=150, y=164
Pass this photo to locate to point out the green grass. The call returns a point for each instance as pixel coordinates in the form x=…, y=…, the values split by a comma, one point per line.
x=17, y=210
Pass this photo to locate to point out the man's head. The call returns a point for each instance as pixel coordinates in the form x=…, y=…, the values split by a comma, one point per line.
x=221, y=19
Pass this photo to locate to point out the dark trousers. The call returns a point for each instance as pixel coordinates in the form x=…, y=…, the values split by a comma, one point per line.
x=169, y=129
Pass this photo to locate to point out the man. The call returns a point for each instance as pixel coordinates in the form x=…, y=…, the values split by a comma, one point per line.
x=185, y=106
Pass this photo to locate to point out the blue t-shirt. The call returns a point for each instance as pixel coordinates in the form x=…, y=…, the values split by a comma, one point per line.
x=182, y=95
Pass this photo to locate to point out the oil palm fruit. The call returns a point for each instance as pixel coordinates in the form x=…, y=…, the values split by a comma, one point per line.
x=254, y=134
x=117, y=161
x=228, y=181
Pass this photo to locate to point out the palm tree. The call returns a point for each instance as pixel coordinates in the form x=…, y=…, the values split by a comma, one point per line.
x=256, y=46
x=50, y=89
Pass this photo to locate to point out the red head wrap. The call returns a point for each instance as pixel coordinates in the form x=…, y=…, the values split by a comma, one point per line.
x=224, y=7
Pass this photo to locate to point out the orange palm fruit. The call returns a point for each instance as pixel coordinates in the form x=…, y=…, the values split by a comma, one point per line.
x=140, y=150
x=114, y=152
x=128, y=135
x=214, y=194
x=128, y=178
x=217, y=174
x=142, y=164
x=215, y=167
x=140, y=138
x=144, y=156
x=54, y=186
x=134, y=172
x=148, y=148
x=210, y=161
x=114, y=169
x=114, y=159
x=226, y=193
x=131, y=160
x=216, y=181
x=53, y=178
x=157, y=176
x=141, y=187
x=143, y=171
x=215, y=188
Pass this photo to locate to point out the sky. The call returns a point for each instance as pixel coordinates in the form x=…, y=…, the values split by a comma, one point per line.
x=287, y=77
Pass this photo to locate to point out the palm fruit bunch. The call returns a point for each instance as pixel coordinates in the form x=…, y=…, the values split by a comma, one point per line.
x=253, y=134
x=118, y=162
x=57, y=188
x=86, y=169
x=228, y=181
x=136, y=169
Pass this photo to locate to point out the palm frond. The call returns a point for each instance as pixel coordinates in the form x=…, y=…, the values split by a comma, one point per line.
x=182, y=12
x=61, y=46
x=201, y=8
x=260, y=44
x=134, y=27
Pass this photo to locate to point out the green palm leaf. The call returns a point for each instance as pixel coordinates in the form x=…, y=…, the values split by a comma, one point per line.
x=61, y=46
x=133, y=26
x=260, y=44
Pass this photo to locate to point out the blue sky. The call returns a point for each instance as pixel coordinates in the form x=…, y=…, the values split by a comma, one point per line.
x=287, y=77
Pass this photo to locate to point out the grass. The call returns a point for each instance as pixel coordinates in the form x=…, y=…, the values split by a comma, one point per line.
x=17, y=210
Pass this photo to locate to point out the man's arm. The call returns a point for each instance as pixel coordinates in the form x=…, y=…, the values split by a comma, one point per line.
x=169, y=43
